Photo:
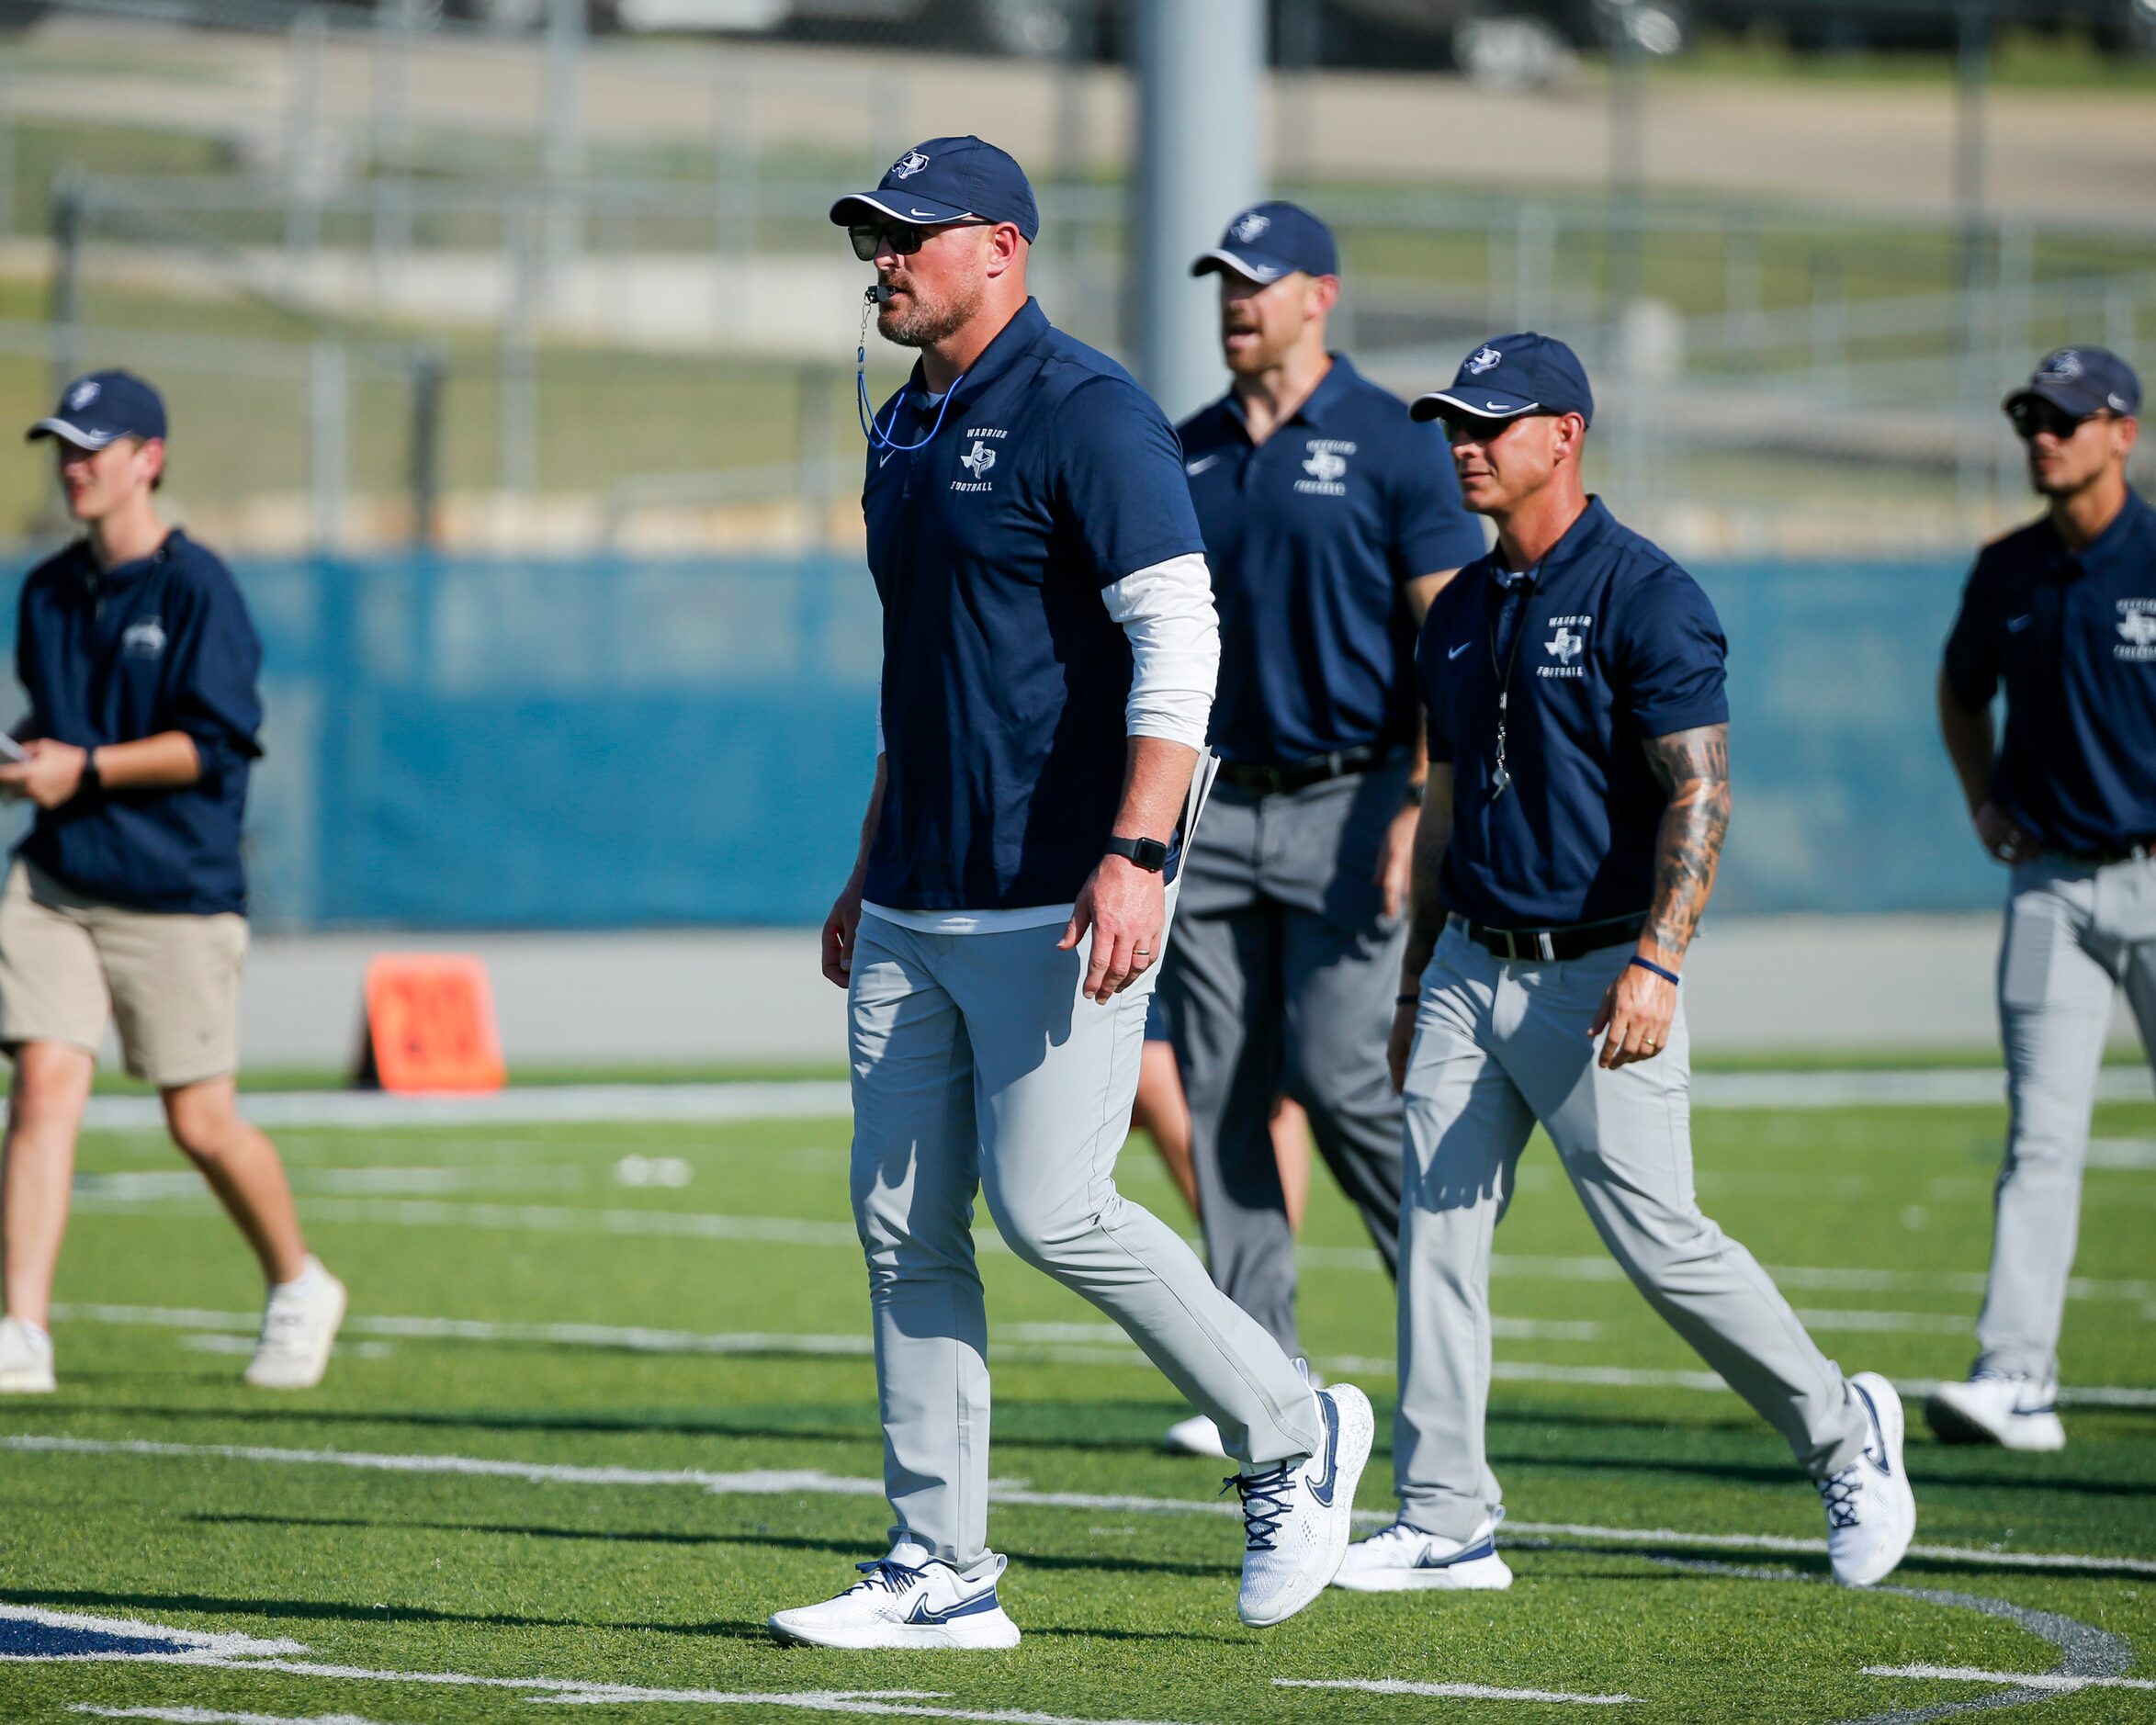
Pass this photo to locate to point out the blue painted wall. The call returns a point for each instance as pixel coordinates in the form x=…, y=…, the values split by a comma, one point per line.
x=604, y=743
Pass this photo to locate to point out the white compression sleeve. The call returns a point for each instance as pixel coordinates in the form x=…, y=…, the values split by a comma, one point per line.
x=1168, y=612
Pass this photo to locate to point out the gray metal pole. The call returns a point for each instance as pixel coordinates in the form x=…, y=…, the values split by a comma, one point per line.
x=1201, y=115
x=564, y=146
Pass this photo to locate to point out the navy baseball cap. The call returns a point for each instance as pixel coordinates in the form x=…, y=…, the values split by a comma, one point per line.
x=2081, y=381
x=1509, y=375
x=1267, y=241
x=947, y=179
x=99, y=408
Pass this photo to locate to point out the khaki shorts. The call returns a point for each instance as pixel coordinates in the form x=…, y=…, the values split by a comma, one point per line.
x=169, y=980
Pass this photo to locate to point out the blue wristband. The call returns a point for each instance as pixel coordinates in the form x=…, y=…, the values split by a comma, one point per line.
x=1669, y=976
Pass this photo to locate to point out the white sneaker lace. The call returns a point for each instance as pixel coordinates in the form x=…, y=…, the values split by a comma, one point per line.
x=285, y=1319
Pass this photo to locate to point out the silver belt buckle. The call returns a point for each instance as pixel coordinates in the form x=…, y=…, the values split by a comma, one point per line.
x=1548, y=945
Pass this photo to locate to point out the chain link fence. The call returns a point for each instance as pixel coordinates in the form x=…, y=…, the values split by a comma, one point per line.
x=518, y=274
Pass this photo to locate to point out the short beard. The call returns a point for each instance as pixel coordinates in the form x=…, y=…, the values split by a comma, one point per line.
x=924, y=326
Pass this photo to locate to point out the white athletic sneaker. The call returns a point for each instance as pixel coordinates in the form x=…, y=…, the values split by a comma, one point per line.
x=26, y=1358
x=1871, y=1510
x=1196, y=1436
x=298, y=1324
x=904, y=1604
x=1993, y=1408
x=1296, y=1516
x=1400, y=1559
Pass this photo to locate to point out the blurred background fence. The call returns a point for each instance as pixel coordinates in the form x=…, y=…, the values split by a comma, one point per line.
x=510, y=356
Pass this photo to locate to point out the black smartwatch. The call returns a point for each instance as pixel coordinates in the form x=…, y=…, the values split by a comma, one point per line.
x=1150, y=854
x=90, y=780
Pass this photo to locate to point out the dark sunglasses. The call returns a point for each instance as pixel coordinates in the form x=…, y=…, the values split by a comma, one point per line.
x=1465, y=428
x=871, y=237
x=2031, y=418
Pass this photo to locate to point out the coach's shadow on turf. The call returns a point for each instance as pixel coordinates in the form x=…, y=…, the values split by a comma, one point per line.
x=1143, y=1417
x=849, y=1548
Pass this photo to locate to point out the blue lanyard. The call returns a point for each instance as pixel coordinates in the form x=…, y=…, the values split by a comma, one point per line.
x=879, y=437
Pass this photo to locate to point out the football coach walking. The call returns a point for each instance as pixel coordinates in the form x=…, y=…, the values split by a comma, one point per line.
x=2063, y=613
x=1050, y=648
x=1331, y=519
x=1579, y=794
x=128, y=899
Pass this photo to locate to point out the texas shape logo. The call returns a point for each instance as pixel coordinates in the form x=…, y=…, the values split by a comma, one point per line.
x=82, y=395
x=1250, y=225
x=1565, y=647
x=2139, y=629
x=908, y=164
x=979, y=459
x=1484, y=359
x=1325, y=465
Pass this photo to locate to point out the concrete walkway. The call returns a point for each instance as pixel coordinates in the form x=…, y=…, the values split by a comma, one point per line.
x=678, y=997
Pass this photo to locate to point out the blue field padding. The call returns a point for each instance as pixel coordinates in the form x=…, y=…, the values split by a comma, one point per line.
x=614, y=742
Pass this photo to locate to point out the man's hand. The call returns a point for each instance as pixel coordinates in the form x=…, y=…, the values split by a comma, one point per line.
x=1401, y=1043
x=1126, y=907
x=2000, y=836
x=52, y=774
x=839, y=929
x=1636, y=1011
x=1395, y=858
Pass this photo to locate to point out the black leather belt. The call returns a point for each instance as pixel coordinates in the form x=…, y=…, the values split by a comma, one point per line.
x=2140, y=851
x=1574, y=941
x=1271, y=778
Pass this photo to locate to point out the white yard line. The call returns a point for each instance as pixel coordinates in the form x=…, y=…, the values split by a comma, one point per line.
x=190, y=1648
x=210, y=1716
x=825, y=1099
x=2057, y=1680
x=778, y=1483
x=1449, y=1691
x=802, y=1231
x=1077, y=1343
x=1058, y=1344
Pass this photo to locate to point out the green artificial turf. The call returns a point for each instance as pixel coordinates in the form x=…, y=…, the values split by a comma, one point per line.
x=1128, y=1612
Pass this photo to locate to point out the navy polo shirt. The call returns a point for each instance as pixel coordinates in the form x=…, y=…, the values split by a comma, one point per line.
x=1311, y=536
x=2074, y=638
x=1005, y=679
x=1612, y=644
x=162, y=644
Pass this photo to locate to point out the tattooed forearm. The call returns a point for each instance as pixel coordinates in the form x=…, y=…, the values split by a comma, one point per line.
x=1694, y=767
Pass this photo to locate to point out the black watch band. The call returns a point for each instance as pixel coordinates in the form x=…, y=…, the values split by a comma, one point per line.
x=1150, y=854
x=91, y=780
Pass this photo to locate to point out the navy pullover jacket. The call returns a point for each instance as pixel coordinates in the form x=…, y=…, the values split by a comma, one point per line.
x=110, y=656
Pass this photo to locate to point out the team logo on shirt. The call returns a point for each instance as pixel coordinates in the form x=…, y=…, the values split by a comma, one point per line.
x=978, y=458
x=2137, y=630
x=1565, y=647
x=142, y=641
x=1483, y=359
x=908, y=164
x=1326, y=464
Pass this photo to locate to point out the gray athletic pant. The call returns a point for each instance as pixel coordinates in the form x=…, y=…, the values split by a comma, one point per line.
x=977, y=1064
x=2073, y=934
x=1283, y=977
x=1498, y=1047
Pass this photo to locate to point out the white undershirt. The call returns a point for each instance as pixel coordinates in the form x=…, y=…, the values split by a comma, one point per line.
x=1168, y=613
